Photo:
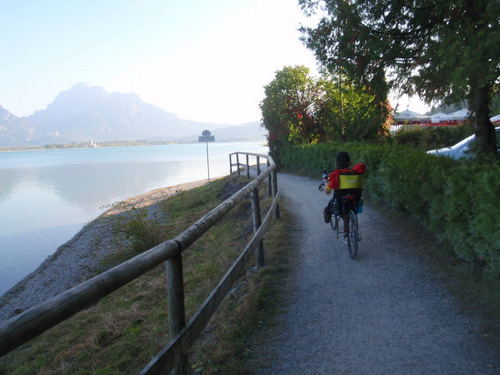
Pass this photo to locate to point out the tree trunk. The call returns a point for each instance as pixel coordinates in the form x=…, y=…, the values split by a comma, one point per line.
x=484, y=129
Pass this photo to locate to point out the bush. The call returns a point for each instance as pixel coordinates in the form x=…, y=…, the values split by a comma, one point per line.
x=429, y=137
x=143, y=232
x=456, y=200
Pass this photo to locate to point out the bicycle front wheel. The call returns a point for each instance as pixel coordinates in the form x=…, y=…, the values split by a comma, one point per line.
x=353, y=235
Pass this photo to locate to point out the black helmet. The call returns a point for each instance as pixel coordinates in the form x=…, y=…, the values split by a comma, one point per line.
x=343, y=159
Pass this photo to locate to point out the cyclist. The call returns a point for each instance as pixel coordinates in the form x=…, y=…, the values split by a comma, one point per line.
x=343, y=163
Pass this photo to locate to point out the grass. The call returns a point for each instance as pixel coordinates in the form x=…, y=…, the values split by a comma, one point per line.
x=122, y=332
x=250, y=309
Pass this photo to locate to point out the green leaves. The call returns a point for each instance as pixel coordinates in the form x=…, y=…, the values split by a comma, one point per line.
x=300, y=109
x=447, y=50
x=287, y=109
x=143, y=232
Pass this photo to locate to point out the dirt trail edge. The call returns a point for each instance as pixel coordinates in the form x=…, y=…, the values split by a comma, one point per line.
x=384, y=313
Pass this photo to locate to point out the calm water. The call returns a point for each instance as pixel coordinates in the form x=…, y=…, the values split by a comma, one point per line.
x=46, y=197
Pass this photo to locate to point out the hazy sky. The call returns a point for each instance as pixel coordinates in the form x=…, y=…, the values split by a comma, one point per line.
x=202, y=60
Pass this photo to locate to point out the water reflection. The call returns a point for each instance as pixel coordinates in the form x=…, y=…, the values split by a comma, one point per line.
x=47, y=196
x=92, y=185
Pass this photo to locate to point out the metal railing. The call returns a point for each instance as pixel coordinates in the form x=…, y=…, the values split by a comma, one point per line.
x=38, y=319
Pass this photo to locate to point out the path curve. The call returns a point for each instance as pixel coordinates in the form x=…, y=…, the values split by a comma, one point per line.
x=384, y=313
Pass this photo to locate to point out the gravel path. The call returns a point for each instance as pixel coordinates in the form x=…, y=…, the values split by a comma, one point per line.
x=80, y=258
x=384, y=313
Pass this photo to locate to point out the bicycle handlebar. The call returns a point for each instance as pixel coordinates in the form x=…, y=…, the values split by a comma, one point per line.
x=324, y=182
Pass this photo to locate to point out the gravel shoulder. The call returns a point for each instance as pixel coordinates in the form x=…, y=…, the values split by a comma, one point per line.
x=385, y=313
x=80, y=258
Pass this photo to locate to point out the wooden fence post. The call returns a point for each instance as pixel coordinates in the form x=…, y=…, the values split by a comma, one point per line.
x=275, y=191
x=176, y=312
x=248, y=166
x=269, y=181
x=230, y=164
x=254, y=196
x=238, y=163
x=258, y=165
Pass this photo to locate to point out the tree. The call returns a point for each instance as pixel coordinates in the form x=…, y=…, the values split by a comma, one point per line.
x=348, y=112
x=288, y=108
x=447, y=49
x=298, y=108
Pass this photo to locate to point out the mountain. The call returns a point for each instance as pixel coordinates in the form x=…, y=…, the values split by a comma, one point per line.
x=17, y=131
x=85, y=113
x=251, y=131
x=89, y=113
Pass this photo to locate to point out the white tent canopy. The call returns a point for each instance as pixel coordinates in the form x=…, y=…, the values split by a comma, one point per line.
x=438, y=117
x=408, y=115
x=459, y=115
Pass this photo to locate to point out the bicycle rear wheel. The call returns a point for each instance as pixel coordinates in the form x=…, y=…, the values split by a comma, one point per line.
x=353, y=236
x=334, y=222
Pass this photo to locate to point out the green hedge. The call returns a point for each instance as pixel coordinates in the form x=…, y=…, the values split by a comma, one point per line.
x=430, y=137
x=457, y=200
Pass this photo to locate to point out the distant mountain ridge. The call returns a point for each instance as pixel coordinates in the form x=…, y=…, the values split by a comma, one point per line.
x=17, y=131
x=89, y=113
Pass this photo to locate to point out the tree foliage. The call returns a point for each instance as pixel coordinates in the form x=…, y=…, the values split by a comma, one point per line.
x=350, y=112
x=447, y=49
x=298, y=109
x=287, y=109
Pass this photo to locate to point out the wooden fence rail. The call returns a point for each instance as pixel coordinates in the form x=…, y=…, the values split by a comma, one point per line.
x=31, y=323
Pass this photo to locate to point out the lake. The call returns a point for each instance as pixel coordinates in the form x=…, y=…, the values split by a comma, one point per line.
x=47, y=196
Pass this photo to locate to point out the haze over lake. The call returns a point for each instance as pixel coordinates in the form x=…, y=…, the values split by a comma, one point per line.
x=47, y=196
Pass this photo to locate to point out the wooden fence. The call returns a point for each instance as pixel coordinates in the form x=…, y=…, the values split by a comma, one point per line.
x=38, y=319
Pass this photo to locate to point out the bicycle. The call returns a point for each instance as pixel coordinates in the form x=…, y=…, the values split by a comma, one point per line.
x=347, y=203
